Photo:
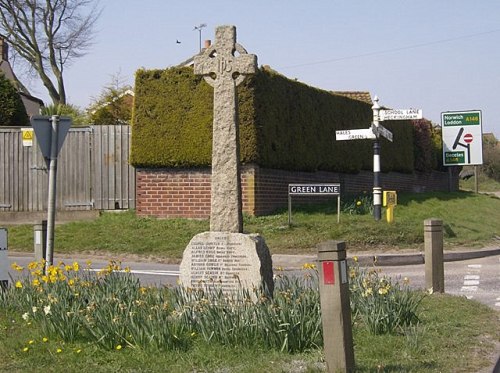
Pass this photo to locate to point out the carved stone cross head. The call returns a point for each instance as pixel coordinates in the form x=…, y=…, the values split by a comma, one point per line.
x=226, y=60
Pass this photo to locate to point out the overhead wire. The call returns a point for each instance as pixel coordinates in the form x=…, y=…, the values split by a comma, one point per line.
x=414, y=46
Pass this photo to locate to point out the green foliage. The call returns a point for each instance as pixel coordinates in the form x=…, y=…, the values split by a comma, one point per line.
x=425, y=152
x=12, y=110
x=357, y=205
x=491, y=157
x=113, y=311
x=381, y=304
x=172, y=122
x=114, y=104
x=437, y=144
x=283, y=124
x=78, y=117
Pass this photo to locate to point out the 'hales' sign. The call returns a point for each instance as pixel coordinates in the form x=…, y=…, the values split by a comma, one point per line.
x=314, y=189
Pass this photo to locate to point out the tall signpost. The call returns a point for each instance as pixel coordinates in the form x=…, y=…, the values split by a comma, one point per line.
x=51, y=133
x=374, y=132
x=462, y=139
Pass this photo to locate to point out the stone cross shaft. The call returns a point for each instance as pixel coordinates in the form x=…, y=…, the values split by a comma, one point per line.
x=224, y=66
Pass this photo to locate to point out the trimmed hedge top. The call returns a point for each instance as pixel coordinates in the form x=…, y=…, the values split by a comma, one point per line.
x=284, y=124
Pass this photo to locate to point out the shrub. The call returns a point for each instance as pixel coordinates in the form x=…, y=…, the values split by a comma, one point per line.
x=12, y=110
x=491, y=157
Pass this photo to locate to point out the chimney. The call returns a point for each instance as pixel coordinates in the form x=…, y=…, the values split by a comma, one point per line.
x=4, y=50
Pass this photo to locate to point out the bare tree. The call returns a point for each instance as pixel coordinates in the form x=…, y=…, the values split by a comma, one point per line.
x=48, y=35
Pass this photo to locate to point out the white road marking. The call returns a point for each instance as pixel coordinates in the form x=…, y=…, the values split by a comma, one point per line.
x=475, y=266
x=471, y=277
x=471, y=282
x=469, y=288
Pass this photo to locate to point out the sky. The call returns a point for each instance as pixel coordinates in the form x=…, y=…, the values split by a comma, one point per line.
x=434, y=55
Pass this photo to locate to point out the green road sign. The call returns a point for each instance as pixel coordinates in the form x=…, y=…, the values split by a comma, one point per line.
x=472, y=118
x=462, y=138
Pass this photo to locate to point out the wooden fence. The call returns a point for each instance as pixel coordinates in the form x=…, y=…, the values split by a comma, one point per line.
x=92, y=171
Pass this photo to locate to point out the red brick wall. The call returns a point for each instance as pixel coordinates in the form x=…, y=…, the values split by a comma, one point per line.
x=168, y=193
x=173, y=193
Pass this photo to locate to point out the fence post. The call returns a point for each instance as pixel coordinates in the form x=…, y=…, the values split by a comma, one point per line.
x=434, y=263
x=40, y=240
x=335, y=307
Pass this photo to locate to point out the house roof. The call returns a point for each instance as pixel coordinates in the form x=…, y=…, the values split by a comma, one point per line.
x=362, y=96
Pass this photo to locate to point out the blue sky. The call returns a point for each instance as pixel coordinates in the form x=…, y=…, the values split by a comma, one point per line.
x=435, y=55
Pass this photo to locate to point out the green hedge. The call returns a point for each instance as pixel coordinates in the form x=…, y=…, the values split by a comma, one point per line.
x=283, y=124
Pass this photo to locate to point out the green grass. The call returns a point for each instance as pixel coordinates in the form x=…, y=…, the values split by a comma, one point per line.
x=470, y=220
x=485, y=184
x=454, y=335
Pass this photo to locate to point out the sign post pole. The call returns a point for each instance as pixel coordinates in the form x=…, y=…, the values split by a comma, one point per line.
x=51, y=207
x=50, y=133
x=377, y=190
x=374, y=132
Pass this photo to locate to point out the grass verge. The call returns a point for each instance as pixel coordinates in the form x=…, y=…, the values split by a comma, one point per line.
x=454, y=335
x=469, y=220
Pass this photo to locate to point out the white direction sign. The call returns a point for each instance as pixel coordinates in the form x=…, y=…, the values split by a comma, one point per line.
x=358, y=134
x=462, y=138
x=382, y=131
x=385, y=132
x=400, y=114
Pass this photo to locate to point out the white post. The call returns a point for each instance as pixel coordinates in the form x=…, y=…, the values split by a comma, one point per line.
x=377, y=190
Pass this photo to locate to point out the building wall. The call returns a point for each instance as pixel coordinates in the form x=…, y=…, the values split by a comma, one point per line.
x=170, y=193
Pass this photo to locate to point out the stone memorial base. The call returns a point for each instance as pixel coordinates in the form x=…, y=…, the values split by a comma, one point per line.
x=227, y=261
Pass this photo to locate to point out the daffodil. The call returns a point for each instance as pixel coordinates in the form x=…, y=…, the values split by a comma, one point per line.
x=16, y=267
x=46, y=309
x=76, y=266
x=383, y=291
x=59, y=350
x=45, y=339
x=19, y=284
x=119, y=347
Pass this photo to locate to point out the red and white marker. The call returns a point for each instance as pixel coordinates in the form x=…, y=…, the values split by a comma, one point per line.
x=468, y=138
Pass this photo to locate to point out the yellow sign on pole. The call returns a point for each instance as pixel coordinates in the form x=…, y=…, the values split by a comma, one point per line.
x=27, y=136
x=390, y=200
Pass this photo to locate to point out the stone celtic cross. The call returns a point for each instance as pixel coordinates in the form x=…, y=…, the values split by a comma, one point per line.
x=224, y=66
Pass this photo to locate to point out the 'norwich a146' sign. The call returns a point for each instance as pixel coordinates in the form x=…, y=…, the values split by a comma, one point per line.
x=462, y=138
